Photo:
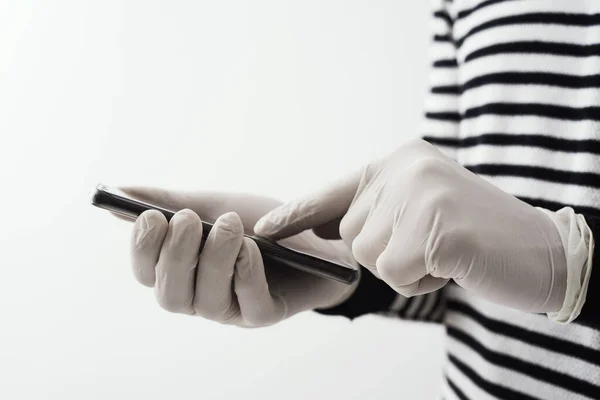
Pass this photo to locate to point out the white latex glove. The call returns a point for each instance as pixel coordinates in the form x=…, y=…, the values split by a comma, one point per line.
x=417, y=219
x=227, y=282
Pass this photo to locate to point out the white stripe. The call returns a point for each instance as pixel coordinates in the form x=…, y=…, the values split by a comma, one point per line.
x=574, y=333
x=575, y=130
x=529, y=63
x=443, y=77
x=510, y=8
x=414, y=306
x=541, y=94
x=442, y=50
x=441, y=103
x=524, y=351
x=446, y=129
x=530, y=156
x=398, y=303
x=429, y=302
x=573, y=195
x=470, y=390
x=508, y=378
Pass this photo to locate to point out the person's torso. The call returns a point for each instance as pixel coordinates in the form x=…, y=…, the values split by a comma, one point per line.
x=525, y=105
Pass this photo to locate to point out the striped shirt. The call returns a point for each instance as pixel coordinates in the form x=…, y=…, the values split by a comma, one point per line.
x=515, y=98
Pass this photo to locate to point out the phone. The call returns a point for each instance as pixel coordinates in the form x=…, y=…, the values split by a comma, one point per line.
x=119, y=203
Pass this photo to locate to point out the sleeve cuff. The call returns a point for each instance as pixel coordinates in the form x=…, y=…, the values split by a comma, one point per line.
x=372, y=295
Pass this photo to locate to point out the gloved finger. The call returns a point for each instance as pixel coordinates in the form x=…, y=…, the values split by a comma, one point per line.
x=312, y=211
x=147, y=237
x=425, y=285
x=257, y=305
x=214, y=297
x=402, y=263
x=176, y=267
x=329, y=230
x=367, y=228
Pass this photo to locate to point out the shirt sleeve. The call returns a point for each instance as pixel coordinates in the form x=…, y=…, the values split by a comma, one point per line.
x=373, y=296
x=590, y=313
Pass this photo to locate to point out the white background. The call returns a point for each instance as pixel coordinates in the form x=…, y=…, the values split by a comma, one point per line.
x=267, y=96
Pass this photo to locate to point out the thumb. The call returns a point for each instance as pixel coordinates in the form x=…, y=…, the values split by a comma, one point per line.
x=209, y=205
x=319, y=210
x=171, y=200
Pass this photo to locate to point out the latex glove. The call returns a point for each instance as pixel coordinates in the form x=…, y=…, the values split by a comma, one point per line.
x=227, y=282
x=417, y=219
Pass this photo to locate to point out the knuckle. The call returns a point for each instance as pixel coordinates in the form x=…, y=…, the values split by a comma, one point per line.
x=386, y=268
x=364, y=250
x=426, y=170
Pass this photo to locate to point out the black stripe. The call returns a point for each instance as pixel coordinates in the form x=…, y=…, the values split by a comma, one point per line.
x=536, y=47
x=487, y=386
x=443, y=15
x=588, y=179
x=445, y=63
x=449, y=89
x=442, y=38
x=535, y=338
x=483, y=4
x=591, y=146
x=436, y=305
x=459, y=393
x=582, y=20
x=534, y=78
x=443, y=116
x=535, y=371
x=535, y=109
x=443, y=141
x=438, y=308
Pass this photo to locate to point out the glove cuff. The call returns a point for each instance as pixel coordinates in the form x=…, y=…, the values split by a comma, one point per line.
x=578, y=243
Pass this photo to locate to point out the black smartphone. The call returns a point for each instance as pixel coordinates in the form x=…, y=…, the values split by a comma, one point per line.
x=119, y=203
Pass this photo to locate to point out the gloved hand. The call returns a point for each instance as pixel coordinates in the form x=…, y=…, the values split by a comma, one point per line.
x=227, y=282
x=418, y=219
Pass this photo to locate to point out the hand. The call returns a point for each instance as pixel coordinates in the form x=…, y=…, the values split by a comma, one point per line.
x=227, y=282
x=417, y=219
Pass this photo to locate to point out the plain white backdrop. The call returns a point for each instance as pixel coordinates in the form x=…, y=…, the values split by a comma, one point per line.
x=266, y=96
